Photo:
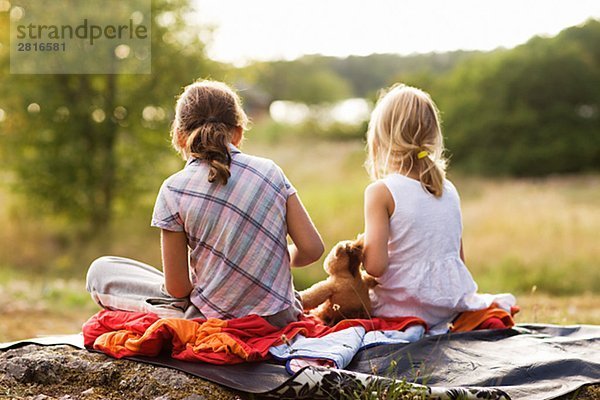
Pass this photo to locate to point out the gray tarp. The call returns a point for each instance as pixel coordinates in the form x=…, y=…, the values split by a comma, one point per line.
x=528, y=362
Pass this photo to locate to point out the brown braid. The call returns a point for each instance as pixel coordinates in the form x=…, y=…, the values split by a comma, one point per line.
x=206, y=117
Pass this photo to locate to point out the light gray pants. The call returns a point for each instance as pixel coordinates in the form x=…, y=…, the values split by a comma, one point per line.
x=118, y=283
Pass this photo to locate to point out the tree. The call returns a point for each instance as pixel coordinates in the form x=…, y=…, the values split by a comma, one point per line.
x=299, y=80
x=79, y=143
x=314, y=79
x=530, y=111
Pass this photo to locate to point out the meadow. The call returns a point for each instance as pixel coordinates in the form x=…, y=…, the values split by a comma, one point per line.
x=536, y=238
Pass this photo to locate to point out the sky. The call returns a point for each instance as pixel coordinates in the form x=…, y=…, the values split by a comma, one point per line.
x=286, y=29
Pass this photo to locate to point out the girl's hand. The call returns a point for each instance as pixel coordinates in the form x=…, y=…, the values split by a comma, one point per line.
x=379, y=206
x=175, y=263
x=308, y=245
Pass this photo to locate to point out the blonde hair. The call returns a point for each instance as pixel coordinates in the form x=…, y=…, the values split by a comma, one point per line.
x=206, y=115
x=404, y=136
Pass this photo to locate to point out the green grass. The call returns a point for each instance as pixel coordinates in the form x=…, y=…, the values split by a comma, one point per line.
x=524, y=233
x=33, y=305
x=517, y=233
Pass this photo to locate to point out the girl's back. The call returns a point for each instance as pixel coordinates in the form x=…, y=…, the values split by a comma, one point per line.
x=236, y=233
x=426, y=276
x=423, y=227
x=413, y=225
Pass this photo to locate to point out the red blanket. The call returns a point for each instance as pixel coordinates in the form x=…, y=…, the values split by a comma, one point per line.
x=122, y=334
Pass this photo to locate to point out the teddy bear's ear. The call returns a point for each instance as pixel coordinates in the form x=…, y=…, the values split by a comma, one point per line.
x=355, y=256
x=357, y=246
x=360, y=241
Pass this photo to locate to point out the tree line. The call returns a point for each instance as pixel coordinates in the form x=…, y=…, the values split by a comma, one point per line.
x=532, y=110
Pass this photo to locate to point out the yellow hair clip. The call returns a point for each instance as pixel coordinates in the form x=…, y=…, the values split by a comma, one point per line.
x=422, y=154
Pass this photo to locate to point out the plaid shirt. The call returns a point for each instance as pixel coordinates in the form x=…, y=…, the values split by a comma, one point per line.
x=237, y=234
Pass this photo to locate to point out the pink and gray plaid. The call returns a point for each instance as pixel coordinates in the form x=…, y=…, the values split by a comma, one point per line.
x=237, y=234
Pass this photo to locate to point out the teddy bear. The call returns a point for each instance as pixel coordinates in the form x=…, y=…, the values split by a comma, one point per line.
x=345, y=293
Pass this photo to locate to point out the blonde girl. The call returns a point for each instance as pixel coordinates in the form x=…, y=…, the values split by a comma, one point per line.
x=413, y=228
x=224, y=221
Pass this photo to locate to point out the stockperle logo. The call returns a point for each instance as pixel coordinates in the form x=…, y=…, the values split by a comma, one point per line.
x=80, y=37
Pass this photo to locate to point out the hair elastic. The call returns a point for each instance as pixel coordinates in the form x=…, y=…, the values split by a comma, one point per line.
x=422, y=154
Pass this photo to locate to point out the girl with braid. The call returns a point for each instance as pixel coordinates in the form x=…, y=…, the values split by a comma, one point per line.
x=224, y=221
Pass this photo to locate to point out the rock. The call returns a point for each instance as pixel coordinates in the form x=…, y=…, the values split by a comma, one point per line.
x=195, y=397
x=65, y=373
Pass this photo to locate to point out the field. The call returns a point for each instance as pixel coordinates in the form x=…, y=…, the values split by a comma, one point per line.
x=536, y=238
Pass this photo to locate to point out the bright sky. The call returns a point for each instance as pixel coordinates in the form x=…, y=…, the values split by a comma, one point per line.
x=285, y=29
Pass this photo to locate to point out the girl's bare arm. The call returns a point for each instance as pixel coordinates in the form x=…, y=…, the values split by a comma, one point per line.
x=175, y=263
x=379, y=205
x=308, y=245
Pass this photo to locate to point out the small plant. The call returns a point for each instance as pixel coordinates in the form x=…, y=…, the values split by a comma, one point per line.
x=389, y=389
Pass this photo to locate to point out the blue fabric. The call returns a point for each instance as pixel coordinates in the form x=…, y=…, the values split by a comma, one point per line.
x=340, y=347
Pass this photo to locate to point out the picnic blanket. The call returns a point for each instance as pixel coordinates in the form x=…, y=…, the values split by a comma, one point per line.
x=526, y=362
x=126, y=334
x=352, y=345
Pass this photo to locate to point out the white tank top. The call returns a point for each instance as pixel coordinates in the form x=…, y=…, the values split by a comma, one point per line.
x=426, y=277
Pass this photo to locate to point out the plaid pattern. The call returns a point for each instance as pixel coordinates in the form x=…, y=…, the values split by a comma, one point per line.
x=237, y=235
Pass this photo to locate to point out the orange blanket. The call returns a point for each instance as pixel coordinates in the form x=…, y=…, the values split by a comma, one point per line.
x=122, y=334
x=471, y=320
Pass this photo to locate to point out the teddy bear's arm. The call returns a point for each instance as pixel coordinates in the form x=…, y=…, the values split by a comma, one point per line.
x=316, y=294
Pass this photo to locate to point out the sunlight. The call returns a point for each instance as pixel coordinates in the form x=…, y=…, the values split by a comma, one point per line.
x=267, y=30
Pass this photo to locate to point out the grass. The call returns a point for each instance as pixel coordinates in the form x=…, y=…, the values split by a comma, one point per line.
x=526, y=233
x=34, y=306
x=518, y=235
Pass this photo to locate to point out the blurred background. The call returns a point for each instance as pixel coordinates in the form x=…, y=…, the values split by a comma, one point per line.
x=518, y=85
